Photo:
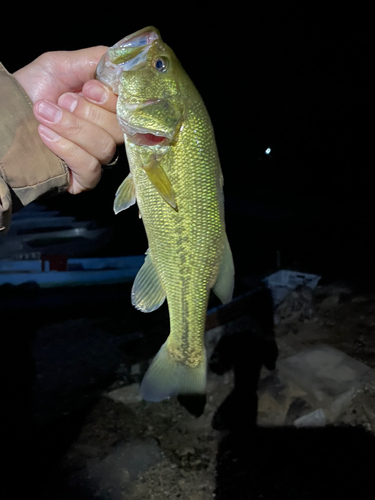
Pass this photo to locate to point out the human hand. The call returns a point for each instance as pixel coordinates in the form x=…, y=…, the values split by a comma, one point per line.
x=77, y=114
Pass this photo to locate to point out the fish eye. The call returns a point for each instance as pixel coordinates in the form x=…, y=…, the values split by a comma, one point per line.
x=161, y=64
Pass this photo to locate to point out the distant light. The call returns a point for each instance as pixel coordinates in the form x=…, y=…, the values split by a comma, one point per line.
x=268, y=151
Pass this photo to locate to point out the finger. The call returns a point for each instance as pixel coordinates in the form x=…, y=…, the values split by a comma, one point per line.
x=86, y=135
x=54, y=73
x=81, y=108
x=85, y=169
x=98, y=93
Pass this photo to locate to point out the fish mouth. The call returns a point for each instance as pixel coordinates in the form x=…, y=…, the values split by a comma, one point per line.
x=147, y=139
x=135, y=120
x=143, y=136
x=153, y=121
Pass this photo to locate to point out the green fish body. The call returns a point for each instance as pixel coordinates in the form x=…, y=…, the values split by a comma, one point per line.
x=176, y=180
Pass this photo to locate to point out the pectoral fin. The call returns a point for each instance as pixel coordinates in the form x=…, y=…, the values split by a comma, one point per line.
x=125, y=195
x=224, y=285
x=160, y=180
x=147, y=293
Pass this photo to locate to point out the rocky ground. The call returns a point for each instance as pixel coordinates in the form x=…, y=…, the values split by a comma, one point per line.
x=119, y=447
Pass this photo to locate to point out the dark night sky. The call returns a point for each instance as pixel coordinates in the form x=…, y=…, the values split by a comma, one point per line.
x=296, y=81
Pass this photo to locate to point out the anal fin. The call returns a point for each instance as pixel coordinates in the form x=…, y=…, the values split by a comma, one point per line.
x=147, y=292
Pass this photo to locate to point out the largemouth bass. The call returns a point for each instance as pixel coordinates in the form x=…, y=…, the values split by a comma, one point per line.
x=176, y=180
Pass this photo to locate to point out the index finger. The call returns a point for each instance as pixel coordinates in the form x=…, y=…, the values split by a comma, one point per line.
x=98, y=93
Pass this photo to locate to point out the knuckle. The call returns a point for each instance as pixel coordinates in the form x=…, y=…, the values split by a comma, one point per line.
x=119, y=134
x=45, y=58
x=94, y=168
x=90, y=174
x=72, y=126
x=108, y=150
x=83, y=166
x=69, y=125
x=70, y=152
x=91, y=112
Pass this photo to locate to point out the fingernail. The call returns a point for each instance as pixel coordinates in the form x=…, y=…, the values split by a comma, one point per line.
x=48, y=134
x=96, y=93
x=68, y=102
x=49, y=111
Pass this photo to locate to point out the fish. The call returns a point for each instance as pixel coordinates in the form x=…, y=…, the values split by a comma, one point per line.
x=176, y=180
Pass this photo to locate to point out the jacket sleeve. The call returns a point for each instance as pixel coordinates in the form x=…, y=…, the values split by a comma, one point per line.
x=28, y=168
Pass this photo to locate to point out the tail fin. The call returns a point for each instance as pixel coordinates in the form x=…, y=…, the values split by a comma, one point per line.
x=166, y=378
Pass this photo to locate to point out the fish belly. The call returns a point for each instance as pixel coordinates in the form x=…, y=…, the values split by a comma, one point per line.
x=186, y=247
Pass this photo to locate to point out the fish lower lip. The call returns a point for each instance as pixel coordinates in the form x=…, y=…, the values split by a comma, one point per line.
x=132, y=106
x=143, y=137
x=148, y=139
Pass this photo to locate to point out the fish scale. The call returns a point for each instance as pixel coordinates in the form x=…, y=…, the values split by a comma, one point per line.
x=185, y=275
x=178, y=188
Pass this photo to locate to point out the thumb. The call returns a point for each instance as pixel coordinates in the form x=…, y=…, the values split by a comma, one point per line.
x=80, y=66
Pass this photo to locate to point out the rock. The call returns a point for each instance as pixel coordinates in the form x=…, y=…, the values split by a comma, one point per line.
x=306, y=294
x=311, y=387
x=329, y=302
x=315, y=418
x=330, y=323
x=188, y=450
x=359, y=299
x=275, y=397
x=341, y=289
x=112, y=478
x=87, y=450
x=270, y=412
x=212, y=337
x=129, y=394
x=361, y=411
x=328, y=376
x=296, y=306
x=298, y=409
x=135, y=369
x=196, y=496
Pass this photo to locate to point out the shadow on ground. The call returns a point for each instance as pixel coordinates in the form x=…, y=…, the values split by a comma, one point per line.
x=289, y=463
x=252, y=462
x=279, y=463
